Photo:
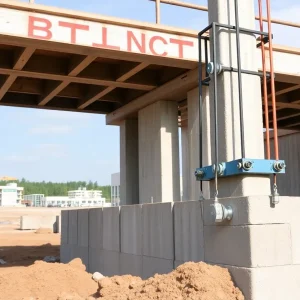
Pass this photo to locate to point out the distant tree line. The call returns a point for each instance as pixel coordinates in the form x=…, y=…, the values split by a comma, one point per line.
x=59, y=188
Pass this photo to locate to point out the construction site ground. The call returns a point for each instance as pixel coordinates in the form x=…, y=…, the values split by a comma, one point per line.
x=24, y=276
x=21, y=248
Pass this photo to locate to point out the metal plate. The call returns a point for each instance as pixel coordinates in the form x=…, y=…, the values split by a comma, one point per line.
x=238, y=167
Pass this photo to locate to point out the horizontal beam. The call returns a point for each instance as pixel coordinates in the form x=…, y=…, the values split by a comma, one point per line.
x=104, y=92
x=21, y=58
x=92, y=81
x=76, y=66
x=68, y=104
x=174, y=90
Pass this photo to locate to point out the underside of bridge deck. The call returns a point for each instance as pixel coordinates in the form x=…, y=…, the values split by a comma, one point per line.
x=39, y=73
x=38, y=78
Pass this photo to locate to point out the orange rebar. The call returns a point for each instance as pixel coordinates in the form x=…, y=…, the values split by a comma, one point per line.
x=272, y=86
x=265, y=93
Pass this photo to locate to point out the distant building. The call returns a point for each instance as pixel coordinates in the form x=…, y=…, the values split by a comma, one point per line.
x=11, y=195
x=34, y=199
x=115, y=189
x=77, y=198
x=84, y=197
x=54, y=201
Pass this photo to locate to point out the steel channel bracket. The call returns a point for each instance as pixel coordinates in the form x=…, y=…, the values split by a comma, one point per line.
x=241, y=166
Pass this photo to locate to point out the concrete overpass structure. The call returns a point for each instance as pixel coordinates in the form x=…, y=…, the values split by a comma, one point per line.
x=144, y=77
x=65, y=60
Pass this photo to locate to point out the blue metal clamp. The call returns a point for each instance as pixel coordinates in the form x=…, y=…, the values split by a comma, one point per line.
x=241, y=167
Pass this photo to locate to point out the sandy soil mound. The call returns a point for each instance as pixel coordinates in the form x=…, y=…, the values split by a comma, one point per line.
x=45, y=281
x=195, y=281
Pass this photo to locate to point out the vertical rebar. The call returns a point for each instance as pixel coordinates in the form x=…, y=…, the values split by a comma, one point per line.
x=214, y=58
x=157, y=9
x=238, y=49
x=272, y=81
x=200, y=104
x=265, y=92
x=272, y=90
x=200, y=98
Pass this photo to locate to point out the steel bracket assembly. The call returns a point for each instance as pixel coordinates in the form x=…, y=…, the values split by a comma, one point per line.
x=241, y=166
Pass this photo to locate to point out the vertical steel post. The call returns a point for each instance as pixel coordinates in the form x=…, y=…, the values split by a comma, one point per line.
x=157, y=8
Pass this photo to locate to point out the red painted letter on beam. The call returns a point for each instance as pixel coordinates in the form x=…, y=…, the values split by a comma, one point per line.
x=104, y=43
x=180, y=44
x=44, y=27
x=151, y=45
x=140, y=45
x=73, y=28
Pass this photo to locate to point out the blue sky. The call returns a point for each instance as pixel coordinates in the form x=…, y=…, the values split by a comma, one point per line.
x=62, y=146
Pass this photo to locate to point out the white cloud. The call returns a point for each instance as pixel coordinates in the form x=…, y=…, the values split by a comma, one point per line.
x=49, y=129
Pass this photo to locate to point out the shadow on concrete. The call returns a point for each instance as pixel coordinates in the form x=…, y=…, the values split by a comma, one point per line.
x=17, y=256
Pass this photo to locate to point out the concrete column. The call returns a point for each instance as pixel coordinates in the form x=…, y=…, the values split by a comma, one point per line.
x=185, y=163
x=228, y=105
x=193, y=140
x=159, y=153
x=129, y=170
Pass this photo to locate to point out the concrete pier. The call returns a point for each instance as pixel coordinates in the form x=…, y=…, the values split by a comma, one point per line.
x=228, y=102
x=129, y=162
x=159, y=153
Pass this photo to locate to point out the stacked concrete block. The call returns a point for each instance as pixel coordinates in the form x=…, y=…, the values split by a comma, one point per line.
x=131, y=240
x=249, y=245
x=83, y=236
x=111, y=241
x=64, y=240
x=36, y=222
x=73, y=233
x=188, y=235
x=95, y=240
x=281, y=282
x=158, y=238
x=259, y=245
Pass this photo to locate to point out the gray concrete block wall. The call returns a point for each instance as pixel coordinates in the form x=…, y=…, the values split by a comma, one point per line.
x=73, y=233
x=111, y=228
x=131, y=229
x=95, y=240
x=233, y=245
x=83, y=236
x=64, y=240
x=64, y=227
x=260, y=246
x=96, y=228
x=83, y=228
x=188, y=226
x=36, y=222
x=158, y=235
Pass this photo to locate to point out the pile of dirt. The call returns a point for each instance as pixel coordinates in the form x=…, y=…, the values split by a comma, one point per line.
x=55, y=281
x=45, y=281
x=195, y=281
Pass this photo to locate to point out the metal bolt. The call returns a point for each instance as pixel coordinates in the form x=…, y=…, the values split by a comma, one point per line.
x=239, y=165
x=199, y=173
x=247, y=165
x=279, y=165
x=220, y=169
x=211, y=68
